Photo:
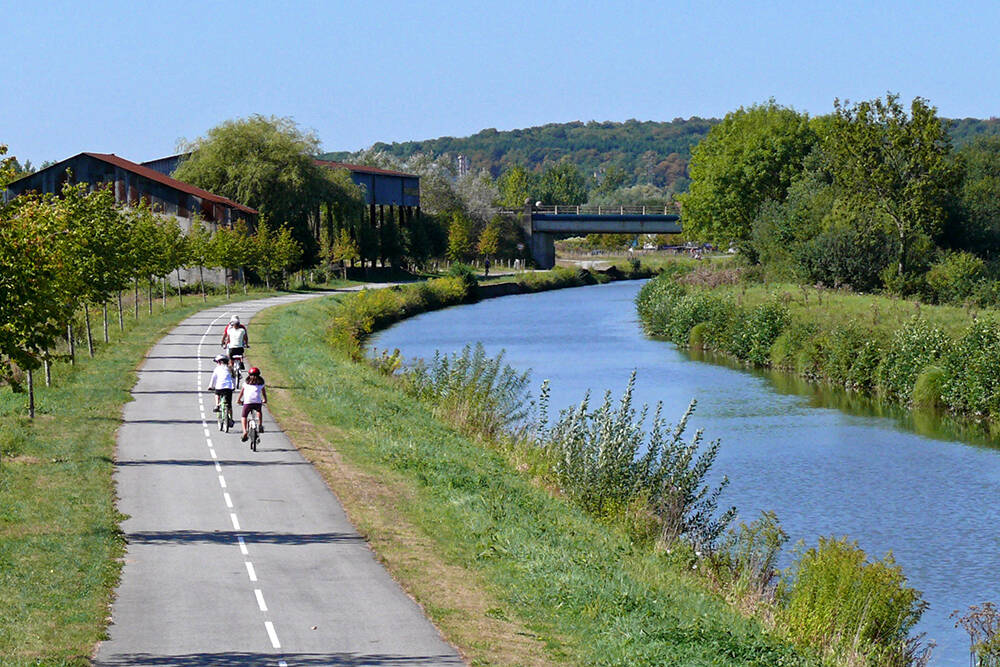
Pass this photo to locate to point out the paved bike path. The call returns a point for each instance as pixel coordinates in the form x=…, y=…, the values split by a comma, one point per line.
x=237, y=557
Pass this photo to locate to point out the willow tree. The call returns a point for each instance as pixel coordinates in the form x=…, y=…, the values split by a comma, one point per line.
x=264, y=162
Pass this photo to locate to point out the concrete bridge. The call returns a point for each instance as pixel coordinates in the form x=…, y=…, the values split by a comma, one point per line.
x=543, y=224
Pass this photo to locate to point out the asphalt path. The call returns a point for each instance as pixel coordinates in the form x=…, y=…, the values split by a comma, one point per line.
x=237, y=557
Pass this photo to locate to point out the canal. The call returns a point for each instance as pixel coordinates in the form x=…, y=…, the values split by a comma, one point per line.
x=827, y=464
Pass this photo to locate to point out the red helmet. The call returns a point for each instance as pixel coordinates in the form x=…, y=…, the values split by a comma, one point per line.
x=253, y=371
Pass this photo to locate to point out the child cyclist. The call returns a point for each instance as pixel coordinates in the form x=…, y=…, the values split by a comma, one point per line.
x=222, y=383
x=252, y=396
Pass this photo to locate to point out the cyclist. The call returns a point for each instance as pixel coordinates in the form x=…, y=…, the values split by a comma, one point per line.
x=222, y=383
x=252, y=396
x=235, y=339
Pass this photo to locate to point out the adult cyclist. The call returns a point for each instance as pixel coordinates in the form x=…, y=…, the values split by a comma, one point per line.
x=235, y=339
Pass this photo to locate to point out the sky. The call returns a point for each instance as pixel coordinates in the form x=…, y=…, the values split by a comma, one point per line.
x=134, y=78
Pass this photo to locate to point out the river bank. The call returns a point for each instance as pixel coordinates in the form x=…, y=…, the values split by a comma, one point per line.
x=938, y=358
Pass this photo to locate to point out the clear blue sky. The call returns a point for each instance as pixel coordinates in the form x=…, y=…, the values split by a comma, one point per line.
x=133, y=77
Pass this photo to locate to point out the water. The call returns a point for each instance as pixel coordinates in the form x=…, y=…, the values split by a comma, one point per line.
x=786, y=446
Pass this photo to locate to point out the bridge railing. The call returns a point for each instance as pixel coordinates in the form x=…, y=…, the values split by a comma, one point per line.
x=588, y=209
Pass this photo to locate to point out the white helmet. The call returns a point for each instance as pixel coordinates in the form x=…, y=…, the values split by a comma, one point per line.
x=235, y=319
x=221, y=357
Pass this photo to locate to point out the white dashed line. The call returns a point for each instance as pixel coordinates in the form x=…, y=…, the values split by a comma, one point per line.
x=212, y=452
x=250, y=571
x=207, y=434
x=210, y=445
x=260, y=599
x=243, y=545
x=222, y=481
x=236, y=522
x=282, y=663
x=272, y=634
x=229, y=501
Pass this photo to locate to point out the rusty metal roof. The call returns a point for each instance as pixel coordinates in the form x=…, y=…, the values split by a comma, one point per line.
x=363, y=169
x=153, y=175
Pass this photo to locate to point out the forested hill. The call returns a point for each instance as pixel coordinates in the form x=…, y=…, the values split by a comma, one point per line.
x=647, y=151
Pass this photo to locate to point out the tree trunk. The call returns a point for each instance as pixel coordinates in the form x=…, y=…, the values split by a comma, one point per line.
x=163, y=291
x=31, y=394
x=243, y=274
x=225, y=279
x=149, y=294
x=90, y=335
x=180, y=294
x=902, y=253
x=48, y=370
x=201, y=279
x=135, y=288
x=267, y=281
x=121, y=313
x=104, y=308
x=69, y=341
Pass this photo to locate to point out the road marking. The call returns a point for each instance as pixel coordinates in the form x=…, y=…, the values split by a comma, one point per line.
x=229, y=501
x=218, y=468
x=236, y=522
x=209, y=441
x=272, y=634
x=243, y=545
x=212, y=452
x=282, y=663
x=222, y=481
x=260, y=599
x=207, y=434
x=250, y=570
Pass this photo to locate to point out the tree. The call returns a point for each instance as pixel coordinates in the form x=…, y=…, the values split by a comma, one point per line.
x=479, y=195
x=489, y=240
x=749, y=158
x=562, y=184
x=516, y=186
x=460, y=238
x=980, y=207
x=199, y=244
x=895, y=164
x=266, y=163
x=345, y=249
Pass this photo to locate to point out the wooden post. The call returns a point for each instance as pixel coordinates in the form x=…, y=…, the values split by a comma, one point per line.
x=90, y=336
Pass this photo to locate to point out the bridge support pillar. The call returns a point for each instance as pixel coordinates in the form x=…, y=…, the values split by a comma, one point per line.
x=543, y=249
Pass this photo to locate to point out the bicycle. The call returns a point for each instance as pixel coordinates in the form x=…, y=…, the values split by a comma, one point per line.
x=225, y=415
x=253, y=430
x=237, y=362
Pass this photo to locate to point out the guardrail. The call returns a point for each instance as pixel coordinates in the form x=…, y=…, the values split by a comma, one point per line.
x=587, y=209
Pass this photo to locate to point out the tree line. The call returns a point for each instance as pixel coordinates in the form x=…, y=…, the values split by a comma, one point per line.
x=64, y=257
x=873, y=196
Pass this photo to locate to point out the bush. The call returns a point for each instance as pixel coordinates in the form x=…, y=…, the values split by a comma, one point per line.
x=747, y=560
x=845, y=257
x=467, y=276
x=971, y=383
x=839, y=600
x=786, y=347
x=927, y=388
x=599, y=466
x=752, y=341
x=913, y=347
x=956, y=277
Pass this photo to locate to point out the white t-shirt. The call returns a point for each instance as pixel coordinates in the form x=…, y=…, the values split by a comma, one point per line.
x=221, y=378
x=237, y=336
x=253, y=393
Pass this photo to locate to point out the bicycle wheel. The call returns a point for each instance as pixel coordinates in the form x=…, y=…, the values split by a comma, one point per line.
x=222, y=414
x=254, y=437
x=229, y=417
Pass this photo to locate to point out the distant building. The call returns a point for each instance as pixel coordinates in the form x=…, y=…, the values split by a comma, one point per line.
x=133, y=183
x=382, y=188
x=463, y=166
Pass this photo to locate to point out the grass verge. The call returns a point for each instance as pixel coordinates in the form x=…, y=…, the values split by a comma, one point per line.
x=508, y=572
x=60, y=543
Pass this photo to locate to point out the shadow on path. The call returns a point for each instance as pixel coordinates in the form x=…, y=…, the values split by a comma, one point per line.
x=242, y=659
x=207, y=462
x=229, y=537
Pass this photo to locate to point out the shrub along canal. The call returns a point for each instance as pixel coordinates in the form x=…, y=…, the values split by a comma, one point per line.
x=786, y=446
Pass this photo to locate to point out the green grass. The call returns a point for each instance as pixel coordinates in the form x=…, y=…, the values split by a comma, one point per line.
x=585, y=591
x=60, y=542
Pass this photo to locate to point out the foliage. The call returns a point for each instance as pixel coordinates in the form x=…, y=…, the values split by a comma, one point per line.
x=895, y=164
x=751, y=157
x=605, y=459
x=971, y=383
x=914, y=346
x=265, y=163
x=838, y=599
x=955, y=277
x=461, y=239
x=982, y=622
x=477, y=392
x=747, y=560
x=489, y=240
x=345, y=250
x=562, y=183
x=850, y=255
